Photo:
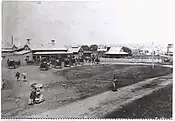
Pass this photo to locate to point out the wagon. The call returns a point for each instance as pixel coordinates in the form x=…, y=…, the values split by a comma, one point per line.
x=12, y=64
x=67, y=63
x=57, y=64
x=44, y=66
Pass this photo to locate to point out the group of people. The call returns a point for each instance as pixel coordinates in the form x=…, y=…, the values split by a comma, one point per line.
x=12, y=63
x=24, y=76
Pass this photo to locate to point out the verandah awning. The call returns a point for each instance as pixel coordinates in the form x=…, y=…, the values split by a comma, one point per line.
x=51, y=53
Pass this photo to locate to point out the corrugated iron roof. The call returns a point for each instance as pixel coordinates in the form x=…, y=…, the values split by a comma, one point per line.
x=116, y=50
x=102, y=49
x=22, y=52
x=74, y=49
x=51, y=53
x=39, y=46
x=6, y=50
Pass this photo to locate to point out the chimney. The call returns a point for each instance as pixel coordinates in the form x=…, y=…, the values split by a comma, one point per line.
x=53, y=42
x=12, y=40
x=28, y=41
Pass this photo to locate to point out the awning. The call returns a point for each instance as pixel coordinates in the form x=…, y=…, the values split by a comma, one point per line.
x=51, y=53
x=22, y=52
x=116, y=53
x=6, y=50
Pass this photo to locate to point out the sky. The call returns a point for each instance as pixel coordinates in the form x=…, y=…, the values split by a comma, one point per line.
x=90, y=22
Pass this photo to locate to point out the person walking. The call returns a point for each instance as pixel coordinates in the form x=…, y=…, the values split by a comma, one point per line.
x=24, y=76
x=114, y=84
x=17, y=75
x=32, y=96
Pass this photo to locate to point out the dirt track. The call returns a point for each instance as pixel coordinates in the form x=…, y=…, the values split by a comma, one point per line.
x=105, y=103
x=60, y=91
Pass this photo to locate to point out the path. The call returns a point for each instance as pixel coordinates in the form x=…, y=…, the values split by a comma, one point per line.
x=144, y=64
x=107, y=102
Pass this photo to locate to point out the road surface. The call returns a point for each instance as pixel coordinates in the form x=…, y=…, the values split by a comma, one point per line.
x=100, y=105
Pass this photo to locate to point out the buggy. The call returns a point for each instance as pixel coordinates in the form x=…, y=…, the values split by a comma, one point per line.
x=11, y=64
x=57, y=64
x=67, y=63
x=44, y=66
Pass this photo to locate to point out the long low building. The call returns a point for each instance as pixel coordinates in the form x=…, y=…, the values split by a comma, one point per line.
x=52, y=53
x=116, y=52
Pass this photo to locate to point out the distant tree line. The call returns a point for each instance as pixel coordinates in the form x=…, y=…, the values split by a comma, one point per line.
x=93, y=47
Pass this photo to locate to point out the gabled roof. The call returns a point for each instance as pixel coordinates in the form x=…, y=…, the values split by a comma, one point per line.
x=39, y=46
x=116, y=50
x=74, y=49
x=8, y=46
x=6, y=50
x=51, y=53
x=102, y=49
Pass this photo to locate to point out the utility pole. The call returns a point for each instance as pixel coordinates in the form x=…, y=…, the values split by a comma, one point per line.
x=152, y=55
x=12, y=40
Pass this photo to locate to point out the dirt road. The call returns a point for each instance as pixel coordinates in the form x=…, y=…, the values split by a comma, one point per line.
x=105, y=103
x=65, y=86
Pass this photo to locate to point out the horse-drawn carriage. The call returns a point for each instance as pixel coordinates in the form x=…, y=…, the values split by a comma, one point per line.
x=12, y=64
x=44, y=66
x=30, y=62
x=73, y=61
x=67, y=62
x=57, y=63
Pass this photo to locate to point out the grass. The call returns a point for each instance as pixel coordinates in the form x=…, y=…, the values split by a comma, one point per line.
x=89, y=81
x=82, y=82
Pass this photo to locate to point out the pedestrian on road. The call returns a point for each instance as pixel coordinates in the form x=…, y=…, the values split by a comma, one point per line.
x=24, y=76
x=17, y=75
x=114, y=84
x=32, y=96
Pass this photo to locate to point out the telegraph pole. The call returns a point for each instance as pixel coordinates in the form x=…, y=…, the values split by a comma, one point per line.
x=152, y=55
x=12, y=41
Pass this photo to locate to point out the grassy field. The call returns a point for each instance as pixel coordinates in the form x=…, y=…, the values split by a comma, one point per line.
x=89, y=81
x=157, y=105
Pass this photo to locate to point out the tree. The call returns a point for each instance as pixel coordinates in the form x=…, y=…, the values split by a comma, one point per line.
x=93, y=47
x=127, y=50
x=85, y=47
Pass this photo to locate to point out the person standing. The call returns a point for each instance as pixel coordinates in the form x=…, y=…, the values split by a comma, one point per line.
x=114, y=84
x=24, y=76
x=17, y=75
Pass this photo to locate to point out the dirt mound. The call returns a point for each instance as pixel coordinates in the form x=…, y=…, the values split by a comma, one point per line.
x=157, y=105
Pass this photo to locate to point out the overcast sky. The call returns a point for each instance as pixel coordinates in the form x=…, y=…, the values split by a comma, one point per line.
x=100, y=22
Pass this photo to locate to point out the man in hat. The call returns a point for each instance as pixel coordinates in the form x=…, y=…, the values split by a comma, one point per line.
x=114, y=84
x=17, y=75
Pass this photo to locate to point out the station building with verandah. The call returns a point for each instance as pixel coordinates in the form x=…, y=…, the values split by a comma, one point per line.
x=77, y=51
x=32, y=51
x=116, y=52
x=43, y=50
